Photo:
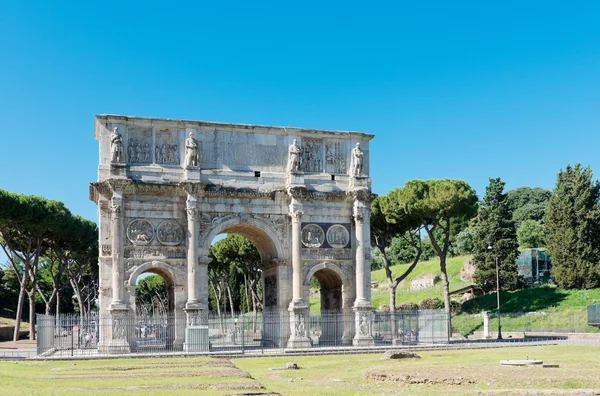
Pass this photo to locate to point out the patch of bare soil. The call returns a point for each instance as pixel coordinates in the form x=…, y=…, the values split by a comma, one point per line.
x=253, y=394
x=221, y=386
x=229, y=372
x=412, y=380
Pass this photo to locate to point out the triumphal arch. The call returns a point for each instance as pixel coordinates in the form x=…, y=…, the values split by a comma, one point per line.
x=167, y=187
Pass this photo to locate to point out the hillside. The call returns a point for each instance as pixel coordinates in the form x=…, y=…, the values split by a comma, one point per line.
x=379, y=293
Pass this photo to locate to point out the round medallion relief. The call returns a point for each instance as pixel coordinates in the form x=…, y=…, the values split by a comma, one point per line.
x=338, y=236
x=313, y=236
x=169, y=233
x=140, y=232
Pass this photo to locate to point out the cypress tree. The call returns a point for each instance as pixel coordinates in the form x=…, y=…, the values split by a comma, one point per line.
x=495, y=228
x=573, y=224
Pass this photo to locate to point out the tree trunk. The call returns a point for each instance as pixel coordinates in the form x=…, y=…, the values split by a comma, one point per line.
x=58, y=313
x=218, y=303
x=442, y=252
x=446, y=290
x=246, y=293
x=20, y=303
x=230, y=301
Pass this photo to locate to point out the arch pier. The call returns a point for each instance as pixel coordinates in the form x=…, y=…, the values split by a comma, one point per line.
x=167, y=187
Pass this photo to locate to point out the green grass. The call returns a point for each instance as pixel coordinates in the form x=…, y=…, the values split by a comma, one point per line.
x=157, y=376
x=470, y=370
x=565, y=319
x=467, y=371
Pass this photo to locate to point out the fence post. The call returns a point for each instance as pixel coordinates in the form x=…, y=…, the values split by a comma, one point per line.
x=243, y=333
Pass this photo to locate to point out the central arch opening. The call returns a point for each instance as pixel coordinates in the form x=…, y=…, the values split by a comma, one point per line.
x=154, y=299
x=239, y=289
x=327, y=328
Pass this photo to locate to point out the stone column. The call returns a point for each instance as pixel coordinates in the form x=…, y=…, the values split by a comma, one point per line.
x=196, y=329
x=121, y=321
x=192, y=256
x=296, y=215
x=298, y=307
x=116, y=209
x=362, y=304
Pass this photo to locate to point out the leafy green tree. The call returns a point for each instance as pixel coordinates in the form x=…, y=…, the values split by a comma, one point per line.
x=573, y=224
x=531, y=234
x=464, y=242
x=9, y=289
x=238, y=260
x=151, y=295
x=526, y=203
x=495, y=238
x=389, y=223
x=435, y=204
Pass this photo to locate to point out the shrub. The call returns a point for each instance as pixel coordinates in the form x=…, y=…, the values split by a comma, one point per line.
x=407, y=306
x=455, y=307
x=431, y=303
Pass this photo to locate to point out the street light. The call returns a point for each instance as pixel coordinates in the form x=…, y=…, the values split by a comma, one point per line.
x=497, y=292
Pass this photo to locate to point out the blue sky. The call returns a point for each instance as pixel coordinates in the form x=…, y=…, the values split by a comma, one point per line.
x=462, y=89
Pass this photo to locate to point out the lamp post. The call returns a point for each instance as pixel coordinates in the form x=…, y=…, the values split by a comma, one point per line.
x=497, y=292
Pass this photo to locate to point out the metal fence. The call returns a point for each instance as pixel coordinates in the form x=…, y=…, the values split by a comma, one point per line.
x=241, y=332
x=593, y=314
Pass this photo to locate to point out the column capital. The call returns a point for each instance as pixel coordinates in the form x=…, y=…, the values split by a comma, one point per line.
x=193, y=213
x=360, y=211
x=295, y=210
x=115, y=211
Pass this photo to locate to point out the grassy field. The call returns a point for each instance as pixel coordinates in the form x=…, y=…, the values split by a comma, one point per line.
x=437, y=372
x=160, y=376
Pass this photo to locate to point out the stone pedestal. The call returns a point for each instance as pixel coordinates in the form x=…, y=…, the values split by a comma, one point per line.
x=191, y=174
x=294, y=180
x=299, y=325
x=120, y=336
x=196, y=330
x=118, y=170
x=486, y=324
x=359, y=183
x=364, y=327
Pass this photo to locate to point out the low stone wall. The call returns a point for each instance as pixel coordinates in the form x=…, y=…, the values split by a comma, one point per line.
x=6, y=333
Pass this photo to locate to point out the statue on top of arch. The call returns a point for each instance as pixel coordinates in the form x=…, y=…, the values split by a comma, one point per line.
x=192, y=157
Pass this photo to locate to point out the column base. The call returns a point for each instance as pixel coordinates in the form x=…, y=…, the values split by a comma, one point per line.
x=119, y=307
x=363, y=322
x=299, y=325
x=121, y=330
x=115, y=347
x=196, y=328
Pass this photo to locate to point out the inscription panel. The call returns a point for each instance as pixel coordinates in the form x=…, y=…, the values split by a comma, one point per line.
x=152, y=252
x=327, y=254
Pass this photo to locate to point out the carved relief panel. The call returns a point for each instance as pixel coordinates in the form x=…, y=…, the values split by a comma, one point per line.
x=313, y=236
x=312, y=155
x=140, y=232
x=170, y=233
x=270, y=291
x=335, y=157
x=139, y=146
x=166, y=148
x=326, y=241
